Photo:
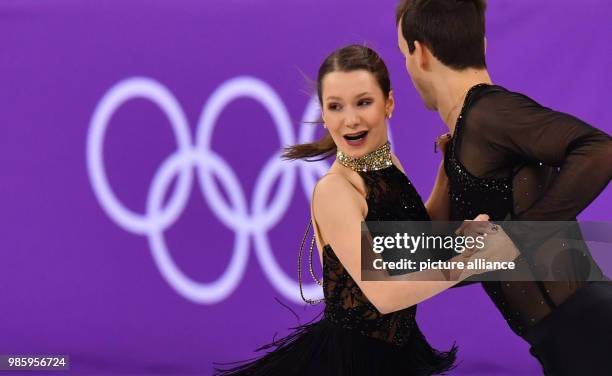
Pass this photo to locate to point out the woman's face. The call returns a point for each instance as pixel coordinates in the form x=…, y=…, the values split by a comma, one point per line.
x=354, y=109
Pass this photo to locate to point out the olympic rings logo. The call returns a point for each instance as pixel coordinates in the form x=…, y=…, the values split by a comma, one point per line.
x=246, y=221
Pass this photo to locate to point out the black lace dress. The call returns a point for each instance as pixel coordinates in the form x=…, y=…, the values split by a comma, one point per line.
x=514, y=159
x=353, y=338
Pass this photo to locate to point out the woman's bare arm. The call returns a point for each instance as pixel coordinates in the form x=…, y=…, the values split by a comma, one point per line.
x=337, y=207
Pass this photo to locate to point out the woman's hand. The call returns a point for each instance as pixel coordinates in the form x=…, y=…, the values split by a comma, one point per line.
x=498, y=247
x=438, y=204
x=441, y=142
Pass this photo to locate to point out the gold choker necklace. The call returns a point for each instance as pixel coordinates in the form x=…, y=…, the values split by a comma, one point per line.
x=376, y=160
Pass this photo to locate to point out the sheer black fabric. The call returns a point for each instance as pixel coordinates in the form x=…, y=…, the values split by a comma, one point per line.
x=556, y=163
x=514, y=159
x=353, y=338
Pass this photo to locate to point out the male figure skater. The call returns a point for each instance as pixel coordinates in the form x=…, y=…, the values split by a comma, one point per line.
x=511, y=158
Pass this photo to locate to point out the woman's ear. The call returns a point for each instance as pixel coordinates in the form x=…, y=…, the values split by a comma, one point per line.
x=390, y=104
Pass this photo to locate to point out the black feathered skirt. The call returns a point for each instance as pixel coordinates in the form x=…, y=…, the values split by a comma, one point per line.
x=324, y=348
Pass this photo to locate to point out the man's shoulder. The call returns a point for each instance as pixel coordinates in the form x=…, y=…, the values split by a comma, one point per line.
x=499, y=98
x=497, y=105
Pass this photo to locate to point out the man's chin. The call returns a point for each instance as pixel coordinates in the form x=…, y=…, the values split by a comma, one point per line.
x=429, y=105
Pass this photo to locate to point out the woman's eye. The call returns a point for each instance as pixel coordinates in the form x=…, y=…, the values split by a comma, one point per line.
x=364, y=102
x=334, y=107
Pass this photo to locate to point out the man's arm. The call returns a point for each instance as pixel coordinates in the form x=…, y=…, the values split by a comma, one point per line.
x=535, y=134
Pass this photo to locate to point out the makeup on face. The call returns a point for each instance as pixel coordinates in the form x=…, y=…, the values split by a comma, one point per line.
x=354, y=111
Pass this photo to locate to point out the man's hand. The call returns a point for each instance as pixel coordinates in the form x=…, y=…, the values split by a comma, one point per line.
x=498, y=247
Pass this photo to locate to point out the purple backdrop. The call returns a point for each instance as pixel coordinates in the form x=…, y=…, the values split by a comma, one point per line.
x=137, y=286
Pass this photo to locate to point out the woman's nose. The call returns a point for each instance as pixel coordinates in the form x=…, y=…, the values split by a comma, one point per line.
x=351, y=119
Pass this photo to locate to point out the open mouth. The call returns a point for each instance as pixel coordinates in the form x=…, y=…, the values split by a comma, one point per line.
x=356, y=136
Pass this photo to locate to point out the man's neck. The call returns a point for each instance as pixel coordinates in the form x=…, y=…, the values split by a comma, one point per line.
x=451, y=88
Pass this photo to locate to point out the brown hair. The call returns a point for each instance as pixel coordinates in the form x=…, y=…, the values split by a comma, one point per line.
x=453, y=30
x=346, y=59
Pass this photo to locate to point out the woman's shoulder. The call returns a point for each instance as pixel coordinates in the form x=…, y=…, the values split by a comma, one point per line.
x=397, y=163
x=340, y=179
x=339, y=188
x=334, y=183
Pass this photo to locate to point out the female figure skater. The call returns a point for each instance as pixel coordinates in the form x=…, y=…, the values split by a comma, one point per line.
x=368, y=327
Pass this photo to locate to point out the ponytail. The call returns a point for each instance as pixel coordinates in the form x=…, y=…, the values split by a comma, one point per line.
x=321, y=149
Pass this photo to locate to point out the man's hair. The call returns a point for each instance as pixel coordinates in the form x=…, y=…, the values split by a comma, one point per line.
x=453, y=30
